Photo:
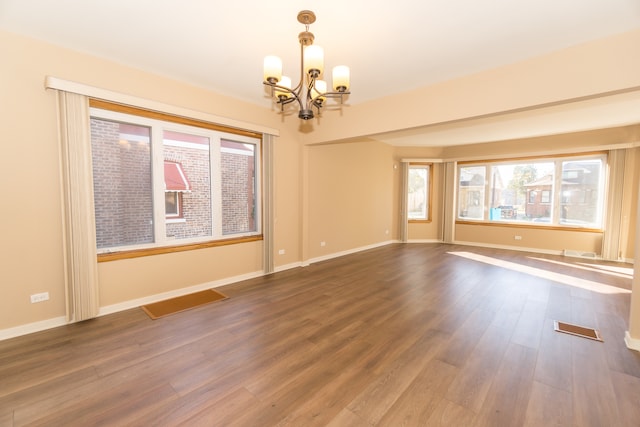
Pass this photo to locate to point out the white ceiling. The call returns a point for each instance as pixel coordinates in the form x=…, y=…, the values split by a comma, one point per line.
x=391, y=47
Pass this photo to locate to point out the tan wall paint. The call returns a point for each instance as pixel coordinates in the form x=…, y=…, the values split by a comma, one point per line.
x=350, y=196
x=577, y=142
x=343, y=194
x=551, y=240
x=141, y=277
x=31, y=229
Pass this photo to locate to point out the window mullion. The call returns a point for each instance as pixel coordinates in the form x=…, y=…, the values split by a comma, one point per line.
x=487, y=193
x=157, y=155
x=216, y=185
x=556, y=205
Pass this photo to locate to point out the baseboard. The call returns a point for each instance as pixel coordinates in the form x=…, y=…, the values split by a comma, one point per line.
x=510, y=248
x=287, y=267
x=126, y=305
x=424, y=241
x=348, y=252
x=31, y=328
x=632, y=343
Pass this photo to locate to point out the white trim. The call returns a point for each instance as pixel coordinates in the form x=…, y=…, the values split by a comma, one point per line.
x=425, y=241
x=30, y=328
x=55, y=322
x=121, y=98
x=510, y=248
x=287, y=267
x=632, y=343
x=114, y=308
x=348, y=252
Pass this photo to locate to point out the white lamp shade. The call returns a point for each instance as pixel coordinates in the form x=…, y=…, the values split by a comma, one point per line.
x=313, y=58
x=340, y=77
x=272, y=68
x=320, y=88
x=286, y=82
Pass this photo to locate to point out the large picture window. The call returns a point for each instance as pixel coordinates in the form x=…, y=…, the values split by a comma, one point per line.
x=160, y=183
x=567, y=191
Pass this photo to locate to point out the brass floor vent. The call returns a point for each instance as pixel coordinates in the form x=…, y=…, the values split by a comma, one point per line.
x=579, y=331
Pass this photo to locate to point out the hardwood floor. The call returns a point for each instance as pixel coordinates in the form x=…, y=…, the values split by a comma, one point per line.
x=403, y=335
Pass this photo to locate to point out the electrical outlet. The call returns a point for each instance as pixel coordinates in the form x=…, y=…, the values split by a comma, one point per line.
x=323, y=243
x=43, y=296
x=281, y=252
x=517, y=237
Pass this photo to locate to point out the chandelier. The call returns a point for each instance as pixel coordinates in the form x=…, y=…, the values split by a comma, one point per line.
x=311, y=91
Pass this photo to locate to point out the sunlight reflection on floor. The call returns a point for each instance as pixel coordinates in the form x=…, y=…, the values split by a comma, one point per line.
x=545, y=274
x=604, y=269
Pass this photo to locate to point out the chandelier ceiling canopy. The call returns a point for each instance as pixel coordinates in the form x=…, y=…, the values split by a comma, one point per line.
x=311, y=90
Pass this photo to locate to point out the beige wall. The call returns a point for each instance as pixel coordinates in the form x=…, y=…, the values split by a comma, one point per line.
x=350, y=194
x=332, y=184
x=553, y=240
x=31, y=231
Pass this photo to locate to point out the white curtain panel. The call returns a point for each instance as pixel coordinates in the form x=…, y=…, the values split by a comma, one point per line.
x=268, y=203
x=80, y=254
x=612, y=238
x=404, y=193
x=449, y=203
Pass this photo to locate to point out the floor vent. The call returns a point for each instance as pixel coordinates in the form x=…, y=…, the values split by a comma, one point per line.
x=576, y=330
x=579, y=254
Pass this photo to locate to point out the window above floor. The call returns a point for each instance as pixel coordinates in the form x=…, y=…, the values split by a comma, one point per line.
x=565, y=191
x=162, y=182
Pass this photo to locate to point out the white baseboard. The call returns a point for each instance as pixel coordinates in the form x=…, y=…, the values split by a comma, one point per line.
x=287, y=267
x=347, y=252
x=632, y=343
x=126, y=305
x=30, y=328
x=424, y=241
x=511, y=248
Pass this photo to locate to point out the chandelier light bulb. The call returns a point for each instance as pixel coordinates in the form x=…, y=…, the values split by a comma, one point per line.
x=272, y=69
x=341, y=78
x=283, y=94
x=313, y=60
x=320, y=88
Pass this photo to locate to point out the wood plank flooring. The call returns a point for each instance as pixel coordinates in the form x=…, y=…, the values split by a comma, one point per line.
x=402, y=335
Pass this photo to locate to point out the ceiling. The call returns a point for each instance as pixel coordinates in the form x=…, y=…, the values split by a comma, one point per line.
x=390, y=49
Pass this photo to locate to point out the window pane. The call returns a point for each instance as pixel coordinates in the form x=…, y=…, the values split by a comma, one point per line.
x=471, y=192
x=171, y=204
x=517, y=188
x=238, y=164
x=581, y=199
x=122, y=183
x=418, y=197
x=187, y=170
x=538, y=181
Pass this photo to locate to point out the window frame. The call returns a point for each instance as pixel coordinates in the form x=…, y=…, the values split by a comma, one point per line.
x=109, y=111
x=428, y=189
x=178, y=216
x=555, y=196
